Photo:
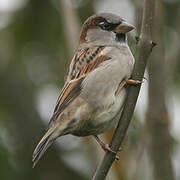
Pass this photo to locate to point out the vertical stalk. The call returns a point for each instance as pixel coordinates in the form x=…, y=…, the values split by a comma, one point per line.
x=160, y=144
x=144, y=49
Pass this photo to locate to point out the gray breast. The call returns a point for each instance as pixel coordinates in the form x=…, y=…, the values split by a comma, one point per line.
x=99, y=86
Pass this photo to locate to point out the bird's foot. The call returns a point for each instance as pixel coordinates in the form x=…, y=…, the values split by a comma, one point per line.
x=133, y=82
x=106, y=147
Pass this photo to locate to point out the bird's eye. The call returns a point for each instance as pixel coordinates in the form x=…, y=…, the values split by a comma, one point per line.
x=106, y=26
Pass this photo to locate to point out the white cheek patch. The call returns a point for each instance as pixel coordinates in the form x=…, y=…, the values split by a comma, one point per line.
x=98, y=35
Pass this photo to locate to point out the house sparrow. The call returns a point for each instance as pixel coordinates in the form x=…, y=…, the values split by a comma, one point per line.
x=95, y=86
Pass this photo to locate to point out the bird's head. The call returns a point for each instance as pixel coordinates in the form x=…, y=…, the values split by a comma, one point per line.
x=104, y=29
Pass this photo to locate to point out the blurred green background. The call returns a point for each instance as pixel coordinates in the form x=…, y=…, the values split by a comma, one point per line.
x=37, y=41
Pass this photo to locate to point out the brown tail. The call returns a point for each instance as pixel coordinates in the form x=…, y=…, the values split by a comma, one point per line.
x=44, y=143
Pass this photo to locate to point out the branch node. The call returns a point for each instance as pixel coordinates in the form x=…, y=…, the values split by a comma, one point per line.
x=153, y=44
x=137, y=39
x=145, y=78
x=144, y=45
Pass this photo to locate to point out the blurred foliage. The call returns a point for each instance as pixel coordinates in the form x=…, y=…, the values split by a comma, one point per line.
x=33, y=50
x=8, y=170
x=34, y=55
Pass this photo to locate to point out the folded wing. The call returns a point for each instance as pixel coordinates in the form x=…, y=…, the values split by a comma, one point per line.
x=84, y=62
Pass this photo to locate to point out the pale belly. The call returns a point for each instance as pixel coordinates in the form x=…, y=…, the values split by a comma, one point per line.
x=100, y=121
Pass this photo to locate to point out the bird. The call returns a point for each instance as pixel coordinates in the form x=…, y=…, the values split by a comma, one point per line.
x=96, y=82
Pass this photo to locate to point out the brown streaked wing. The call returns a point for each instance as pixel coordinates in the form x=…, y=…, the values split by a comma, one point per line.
x=84, y=62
